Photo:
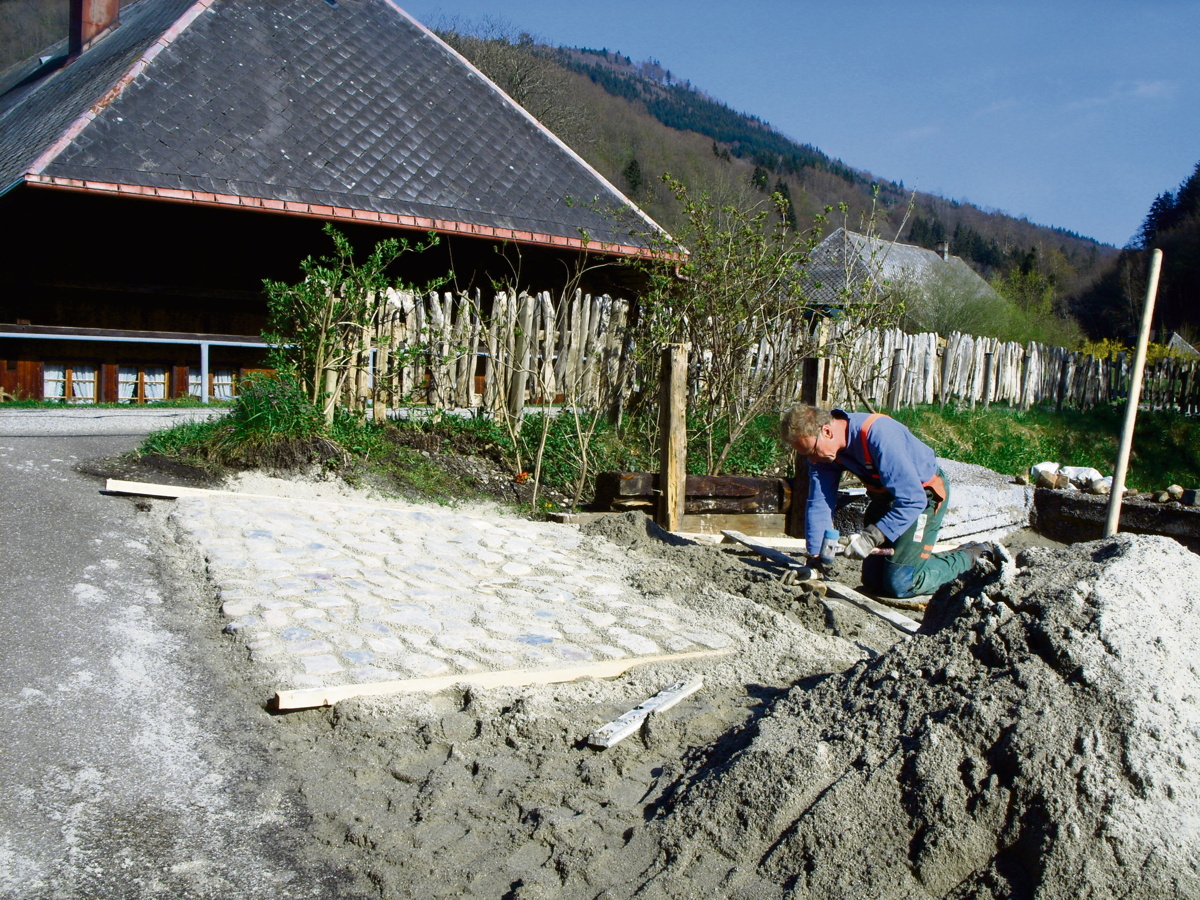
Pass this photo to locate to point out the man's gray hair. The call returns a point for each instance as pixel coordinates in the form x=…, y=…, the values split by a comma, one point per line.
x=801, y=421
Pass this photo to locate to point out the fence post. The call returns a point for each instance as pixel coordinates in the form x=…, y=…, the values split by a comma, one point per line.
x=987, y=379
x=672, y=430
x=1025, y=362
x=897, y=373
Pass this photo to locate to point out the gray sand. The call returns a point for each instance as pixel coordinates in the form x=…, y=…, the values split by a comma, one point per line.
x=1040, y=739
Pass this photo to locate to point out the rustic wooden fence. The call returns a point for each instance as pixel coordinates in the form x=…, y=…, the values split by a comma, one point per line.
x=895, y=369
x=506, y=351
x=500, y=353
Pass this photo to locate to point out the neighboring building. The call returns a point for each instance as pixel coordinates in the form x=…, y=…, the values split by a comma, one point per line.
x=1182, y=347
x=154, y=170
x=855, y=263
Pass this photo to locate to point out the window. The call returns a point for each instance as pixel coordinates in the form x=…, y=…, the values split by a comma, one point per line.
x=221, y=383
x=142, y=384
x=70, y=382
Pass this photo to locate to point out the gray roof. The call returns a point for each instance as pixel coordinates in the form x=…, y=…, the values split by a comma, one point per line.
x=846, y=260
x=1179, y=345
x=353, y=111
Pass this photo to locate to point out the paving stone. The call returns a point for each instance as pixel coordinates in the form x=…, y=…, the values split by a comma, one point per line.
x=306, y=647
x=236, y=609
x=386, y=645
x=637, y=644
x=320, y=665
x=377, y=599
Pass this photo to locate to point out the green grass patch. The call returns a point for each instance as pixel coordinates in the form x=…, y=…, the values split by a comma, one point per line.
x=1166, y=445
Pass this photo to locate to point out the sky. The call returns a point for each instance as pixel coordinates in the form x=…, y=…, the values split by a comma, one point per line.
x=1071, y=113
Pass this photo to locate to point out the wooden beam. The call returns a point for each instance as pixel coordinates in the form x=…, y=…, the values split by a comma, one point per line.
x=899, y=621
x=672, y=426
x=775, y=556
x=617, y=730
x=313, y=697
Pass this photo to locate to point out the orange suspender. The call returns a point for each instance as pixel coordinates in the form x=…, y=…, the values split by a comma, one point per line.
x=936, y=483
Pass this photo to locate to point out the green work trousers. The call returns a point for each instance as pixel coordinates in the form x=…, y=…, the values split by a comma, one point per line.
x=913, y=568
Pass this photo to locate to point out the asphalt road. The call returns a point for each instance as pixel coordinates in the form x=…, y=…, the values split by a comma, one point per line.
x=132, y=763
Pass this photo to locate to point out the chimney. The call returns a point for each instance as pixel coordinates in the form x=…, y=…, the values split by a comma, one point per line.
x=89, y=20
x=943, y=249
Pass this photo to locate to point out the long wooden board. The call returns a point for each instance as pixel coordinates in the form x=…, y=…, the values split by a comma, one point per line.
x=622, y=727
x=897, y=620
x=312, y=697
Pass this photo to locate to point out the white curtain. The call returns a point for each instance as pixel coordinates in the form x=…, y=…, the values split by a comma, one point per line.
x=83, y=384
x=154, y=381
x=127, y=383
x=222, y=381
x=54, y=381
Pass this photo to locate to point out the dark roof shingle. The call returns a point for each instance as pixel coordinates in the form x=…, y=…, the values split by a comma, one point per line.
x=356, y=108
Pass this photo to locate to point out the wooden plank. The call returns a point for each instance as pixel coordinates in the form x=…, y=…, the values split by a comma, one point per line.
x=755, y=524
x=897, y=620
x=775, y=556
x=145, y=489
x=617, y=730
x=328, y=696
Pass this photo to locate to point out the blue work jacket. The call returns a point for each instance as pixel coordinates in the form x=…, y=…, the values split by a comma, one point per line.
x=899, y=463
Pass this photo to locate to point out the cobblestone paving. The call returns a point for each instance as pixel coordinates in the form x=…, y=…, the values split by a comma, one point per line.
x=326, y=593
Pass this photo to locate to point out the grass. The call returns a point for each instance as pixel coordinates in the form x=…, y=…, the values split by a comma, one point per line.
x=1166, y=445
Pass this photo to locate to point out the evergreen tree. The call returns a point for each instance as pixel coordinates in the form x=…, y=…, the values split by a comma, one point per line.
x=633, y=177
x=788, y=210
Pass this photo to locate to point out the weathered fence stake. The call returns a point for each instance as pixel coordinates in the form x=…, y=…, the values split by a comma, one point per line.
x=672, y=427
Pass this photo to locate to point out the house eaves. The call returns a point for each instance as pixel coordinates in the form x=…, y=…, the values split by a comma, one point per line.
x=355, y=113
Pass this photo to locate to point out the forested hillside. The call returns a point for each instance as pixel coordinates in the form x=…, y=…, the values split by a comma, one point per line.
x=1113, y=306
x=633, y=122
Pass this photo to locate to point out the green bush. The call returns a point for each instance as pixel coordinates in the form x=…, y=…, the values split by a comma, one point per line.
x=269, y=407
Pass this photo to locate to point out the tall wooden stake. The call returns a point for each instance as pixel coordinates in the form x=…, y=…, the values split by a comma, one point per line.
x=1135, y=391
x=672, y=428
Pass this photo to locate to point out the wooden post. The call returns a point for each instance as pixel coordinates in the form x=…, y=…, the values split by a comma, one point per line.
x=894, y=378
x=1135, y=388
x=672, y=427
x=798, y=505
x=987, y=380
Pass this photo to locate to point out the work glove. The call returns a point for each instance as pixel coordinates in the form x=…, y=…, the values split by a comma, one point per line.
x=864, y=542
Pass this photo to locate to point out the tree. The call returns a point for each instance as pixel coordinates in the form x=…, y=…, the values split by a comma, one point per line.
x=523, y=70
x=633, y=177
x=320, y=327
x=739, y=299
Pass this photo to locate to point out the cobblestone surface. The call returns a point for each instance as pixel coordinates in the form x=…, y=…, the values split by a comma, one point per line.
x=326, y=593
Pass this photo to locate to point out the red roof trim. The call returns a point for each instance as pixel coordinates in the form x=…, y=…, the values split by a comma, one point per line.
x=75, y=128
x=337, y=213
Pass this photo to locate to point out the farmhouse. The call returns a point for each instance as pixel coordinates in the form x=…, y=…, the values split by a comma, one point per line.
x=848, y=264
x=156, y=167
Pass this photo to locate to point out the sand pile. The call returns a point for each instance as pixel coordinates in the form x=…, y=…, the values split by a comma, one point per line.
x=1042, y=740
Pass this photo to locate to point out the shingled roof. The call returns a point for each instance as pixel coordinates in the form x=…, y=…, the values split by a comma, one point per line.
x=350, y=111
x=846, y=260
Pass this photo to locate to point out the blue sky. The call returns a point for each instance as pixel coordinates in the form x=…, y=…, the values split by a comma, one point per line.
x=1068, y=112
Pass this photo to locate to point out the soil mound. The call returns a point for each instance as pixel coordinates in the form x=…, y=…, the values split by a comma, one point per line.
x=1040, y=739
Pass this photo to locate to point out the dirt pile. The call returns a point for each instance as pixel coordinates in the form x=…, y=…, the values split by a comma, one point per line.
x=1041, y=739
